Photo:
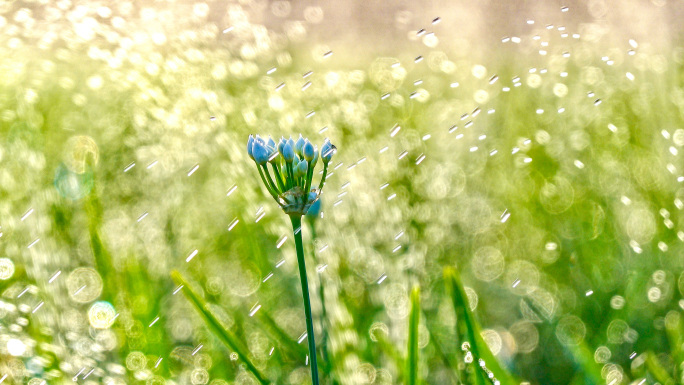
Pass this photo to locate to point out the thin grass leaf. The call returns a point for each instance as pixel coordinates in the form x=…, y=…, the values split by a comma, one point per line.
x=412, y=351
x=581, y=353
x=470, y=330
x=584, y=358
x=388, y=348
x=216, y=327
x=656, y=369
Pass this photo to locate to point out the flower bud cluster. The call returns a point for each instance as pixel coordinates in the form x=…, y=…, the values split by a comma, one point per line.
x=292, y=163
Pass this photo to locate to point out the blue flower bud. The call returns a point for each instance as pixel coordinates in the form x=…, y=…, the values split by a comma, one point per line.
x=291, y=142
x=250, y=143
x=299, y=145
x=281, y=144
x=308, y=151
x=302, y=167
x=272, y=150
x=316, y=156
x=288, y=153
x=259, y=151
x=327, y=151
x=315, y=208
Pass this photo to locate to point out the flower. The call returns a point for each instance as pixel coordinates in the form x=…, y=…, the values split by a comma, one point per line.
x=327, y=151
x=260, y=151
x=308, y=151
x=289, y=179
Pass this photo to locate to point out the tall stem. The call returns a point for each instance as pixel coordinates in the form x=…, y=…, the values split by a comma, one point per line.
x=297, y=230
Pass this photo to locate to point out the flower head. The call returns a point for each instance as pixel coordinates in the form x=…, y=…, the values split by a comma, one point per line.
x=327, y=151
x=260, y=151
x=289, y=181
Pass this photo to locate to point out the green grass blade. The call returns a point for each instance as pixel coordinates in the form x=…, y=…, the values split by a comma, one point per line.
x=584, y=358
x=470, y=330
x=279, y=334
x=216, y=327
x=412, y=351
x=657, y=370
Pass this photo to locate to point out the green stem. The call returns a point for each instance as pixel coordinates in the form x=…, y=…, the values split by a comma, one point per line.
x=268, y=187
x=270, y=180
x=290, y=175
x=309, y=176
x=279, y=178
x=297, y=230
x=321, y=294
x=325, y=173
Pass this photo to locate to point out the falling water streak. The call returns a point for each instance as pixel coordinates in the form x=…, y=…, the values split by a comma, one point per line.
x=149, y=166
x=420, y=159
x=588, y=293
x=130, y=166
x=516, y=283
x=382, y=278
x=301, y=338
x=324, y=248
x=54, y=276
x=280, y=86
x=33, y=243
x=258, y=218
x=3, y=378
x=631, y=356
x=268, y=276
x=77, y=374
x=402, y=155
x=383, y=149
x=177, y=289
x=26, y=215
x=89, y=373
x=307, y=74
x=140, y=218
x=321, y=268
x=156, y=365
x=281, y=241
x=193, y=169
x=394, y=131
x=322, y=130
x=272, y=70
x=154, y=321
x=197, y=349
x=37, y=307
x=306, y=86
x=280, y=263
x=398, y=235
x=79, y=290
x=396, y=249
x=233, y=224
x=23, y=292
x=191, y=256
x=255, y=309
x=389, y=198
x=231, y=190
x=270, y=353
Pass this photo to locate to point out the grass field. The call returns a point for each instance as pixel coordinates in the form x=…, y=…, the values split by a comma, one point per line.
x=522, y=207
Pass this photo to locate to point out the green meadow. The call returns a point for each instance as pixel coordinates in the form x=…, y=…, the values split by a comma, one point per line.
x=507, y=214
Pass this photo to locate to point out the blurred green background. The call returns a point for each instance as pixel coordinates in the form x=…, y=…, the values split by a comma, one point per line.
x=533, y=146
